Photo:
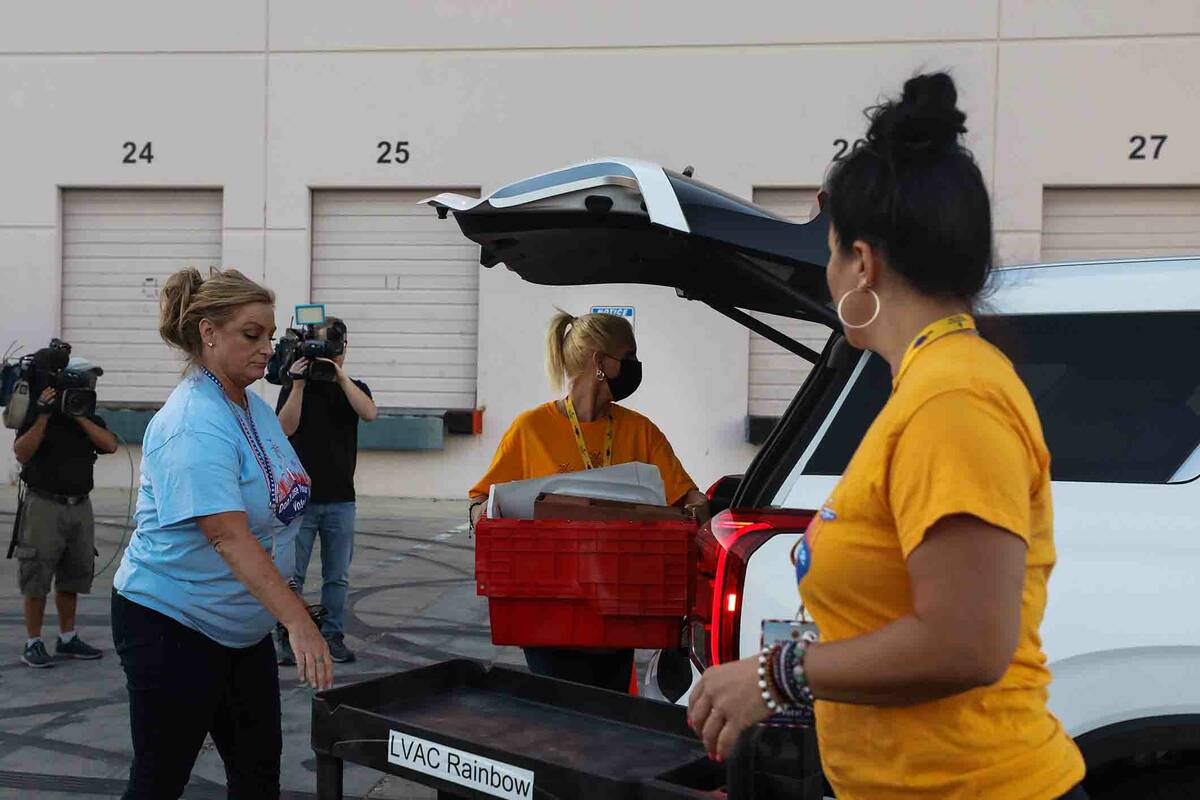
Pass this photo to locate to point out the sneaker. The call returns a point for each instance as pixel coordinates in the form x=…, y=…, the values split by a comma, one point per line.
x=285, y=656
x=76, y=648
x=35, y=655
x=338, y=650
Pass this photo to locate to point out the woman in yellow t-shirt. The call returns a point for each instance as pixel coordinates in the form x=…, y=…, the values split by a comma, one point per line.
x=926, y=569
x=586, y=429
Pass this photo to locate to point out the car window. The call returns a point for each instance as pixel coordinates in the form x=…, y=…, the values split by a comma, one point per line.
x=603, y=169
x=1118, y=394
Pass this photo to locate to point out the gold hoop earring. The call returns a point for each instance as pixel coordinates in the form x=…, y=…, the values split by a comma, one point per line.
x=842, y=303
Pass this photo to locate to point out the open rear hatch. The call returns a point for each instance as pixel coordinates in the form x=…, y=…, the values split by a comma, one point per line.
x=626, y=221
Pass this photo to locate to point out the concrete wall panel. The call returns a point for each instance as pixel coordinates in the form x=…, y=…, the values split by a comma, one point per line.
x=1080, y=18
x=72, y=116
x=138, y=26
x=1067, y=113
x=509, y=24
x=485, y=93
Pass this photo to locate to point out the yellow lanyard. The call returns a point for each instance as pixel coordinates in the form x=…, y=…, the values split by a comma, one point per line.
x=957, y=323
x=583, y=450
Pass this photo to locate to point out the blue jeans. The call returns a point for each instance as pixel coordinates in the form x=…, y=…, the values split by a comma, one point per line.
x=334, y=523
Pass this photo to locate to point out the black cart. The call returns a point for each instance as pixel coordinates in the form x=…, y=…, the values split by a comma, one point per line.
x=479, y=732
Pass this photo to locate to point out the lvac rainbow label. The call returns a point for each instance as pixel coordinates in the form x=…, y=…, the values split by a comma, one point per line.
x=458, y=766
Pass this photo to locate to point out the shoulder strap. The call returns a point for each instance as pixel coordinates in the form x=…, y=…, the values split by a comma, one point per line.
x=16, y=531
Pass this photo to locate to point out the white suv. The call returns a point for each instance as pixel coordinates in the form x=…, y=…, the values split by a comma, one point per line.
x=1108, y=350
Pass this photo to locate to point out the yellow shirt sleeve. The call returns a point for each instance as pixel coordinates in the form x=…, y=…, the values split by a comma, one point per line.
x=676, y=481
x=961, y=454
x=507, y=465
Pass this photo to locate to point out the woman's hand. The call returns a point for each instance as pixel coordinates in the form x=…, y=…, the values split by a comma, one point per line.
x=229, y=534
x=314, y=665
x=724, y=703
x=696, y=504
x=478, y=508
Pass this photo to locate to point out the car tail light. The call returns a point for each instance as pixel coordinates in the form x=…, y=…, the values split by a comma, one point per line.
x=720, y=494
x=738, y=534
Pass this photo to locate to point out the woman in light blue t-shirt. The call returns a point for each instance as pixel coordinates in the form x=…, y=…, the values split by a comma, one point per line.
x=201, y=583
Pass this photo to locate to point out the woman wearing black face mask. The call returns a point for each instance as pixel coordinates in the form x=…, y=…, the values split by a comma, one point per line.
x=597, y=356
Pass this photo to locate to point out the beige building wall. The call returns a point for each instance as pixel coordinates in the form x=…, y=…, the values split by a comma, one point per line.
x=269, y=101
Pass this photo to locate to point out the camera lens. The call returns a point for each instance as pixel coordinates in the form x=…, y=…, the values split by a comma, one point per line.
x=78, y=402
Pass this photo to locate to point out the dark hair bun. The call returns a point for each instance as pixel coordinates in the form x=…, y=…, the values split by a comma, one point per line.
x=915, y=193
x=924, y=123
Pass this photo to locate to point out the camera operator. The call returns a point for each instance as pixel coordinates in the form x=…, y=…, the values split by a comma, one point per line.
x=56, y=534
x=321, y=418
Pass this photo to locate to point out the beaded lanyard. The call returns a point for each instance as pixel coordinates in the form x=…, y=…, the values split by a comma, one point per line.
x=256, y=447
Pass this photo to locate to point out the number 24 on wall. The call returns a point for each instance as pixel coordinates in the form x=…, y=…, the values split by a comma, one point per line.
x=132, y=156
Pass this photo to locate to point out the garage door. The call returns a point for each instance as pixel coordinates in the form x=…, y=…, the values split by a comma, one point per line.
x=776, y=374
x=407, y=285
x=118, y=248
x=1093, y=224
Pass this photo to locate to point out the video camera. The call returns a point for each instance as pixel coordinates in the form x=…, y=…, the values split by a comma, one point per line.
x=22, y=382
x=302, y=342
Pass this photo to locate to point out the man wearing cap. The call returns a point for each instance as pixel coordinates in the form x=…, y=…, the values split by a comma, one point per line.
x=56, y=532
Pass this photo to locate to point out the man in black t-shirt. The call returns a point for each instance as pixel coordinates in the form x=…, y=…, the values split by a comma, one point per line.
x=321, y=420
x=56, y=534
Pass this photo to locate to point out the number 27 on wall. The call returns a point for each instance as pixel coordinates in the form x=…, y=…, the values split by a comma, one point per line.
x=1139, y=147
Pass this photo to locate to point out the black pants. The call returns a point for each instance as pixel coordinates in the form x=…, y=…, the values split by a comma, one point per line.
x=182, y=686
x=607, y=669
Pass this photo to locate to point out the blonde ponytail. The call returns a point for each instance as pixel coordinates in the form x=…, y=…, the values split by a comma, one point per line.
x=556, y=368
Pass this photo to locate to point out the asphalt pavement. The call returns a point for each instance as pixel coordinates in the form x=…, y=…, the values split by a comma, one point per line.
x=64, y=731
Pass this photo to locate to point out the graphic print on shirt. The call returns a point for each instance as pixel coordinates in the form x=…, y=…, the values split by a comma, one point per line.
x=293, y=491
x=802, y=552
x=287, y=496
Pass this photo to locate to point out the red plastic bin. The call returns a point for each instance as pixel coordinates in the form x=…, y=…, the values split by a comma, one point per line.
x=553, y=583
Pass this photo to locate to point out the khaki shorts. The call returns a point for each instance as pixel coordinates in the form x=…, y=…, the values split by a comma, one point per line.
x=56, y=542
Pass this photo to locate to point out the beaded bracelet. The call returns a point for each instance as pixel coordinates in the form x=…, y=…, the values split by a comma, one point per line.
x=794, y=679
x=775, y=683
x=787, y=661
x=768, y=680
x=780, y=672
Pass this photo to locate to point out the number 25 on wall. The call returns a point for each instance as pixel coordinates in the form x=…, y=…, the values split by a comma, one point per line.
x=390, y=153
